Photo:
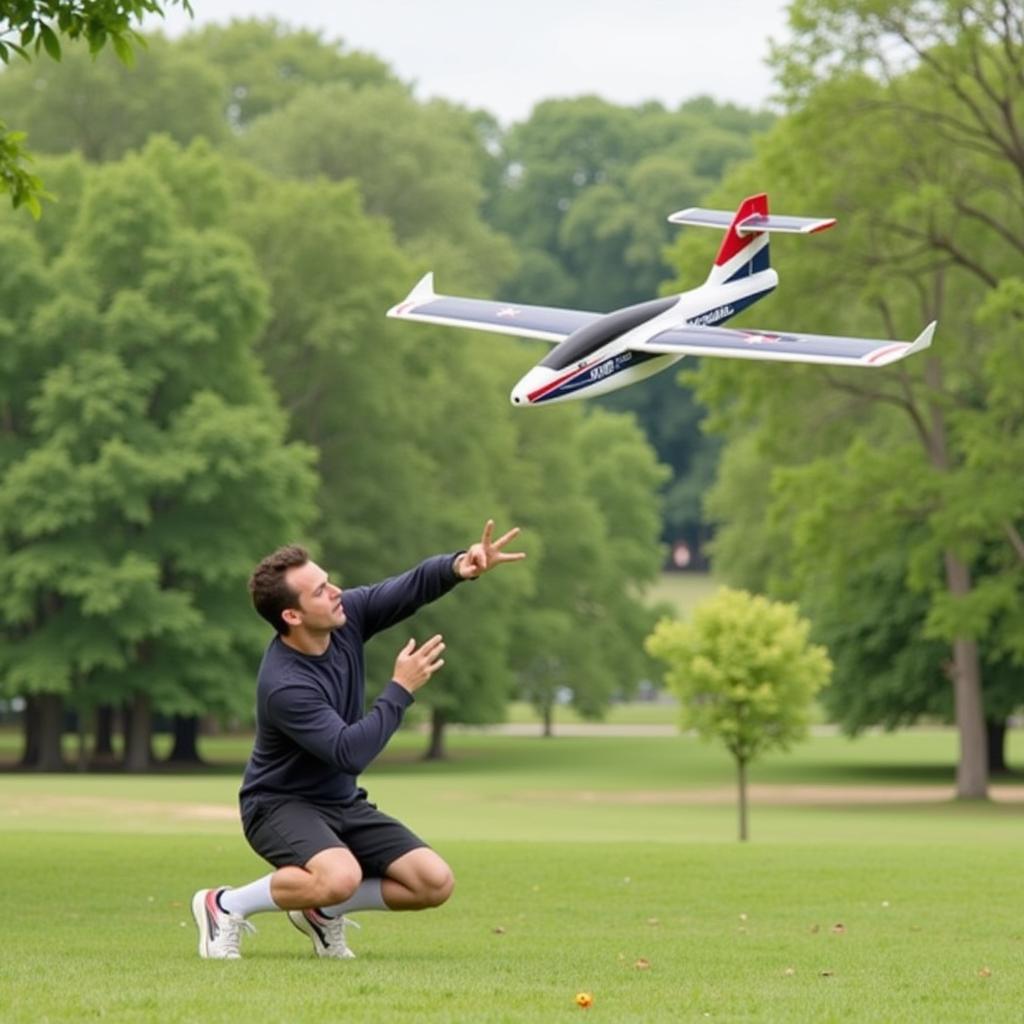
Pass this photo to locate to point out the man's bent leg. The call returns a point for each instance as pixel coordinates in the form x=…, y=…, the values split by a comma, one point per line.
x=332, y=876
x=329, y=877
x=417, y=880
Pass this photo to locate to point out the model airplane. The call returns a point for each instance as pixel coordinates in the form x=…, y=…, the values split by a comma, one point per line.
x=598, y=352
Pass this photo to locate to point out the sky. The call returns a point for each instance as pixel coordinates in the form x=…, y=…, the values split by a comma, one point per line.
x=506, y=58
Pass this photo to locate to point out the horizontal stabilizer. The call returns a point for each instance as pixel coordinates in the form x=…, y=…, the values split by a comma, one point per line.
x=754, y=224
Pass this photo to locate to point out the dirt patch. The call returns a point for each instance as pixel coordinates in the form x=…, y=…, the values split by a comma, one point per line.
x=53, y=806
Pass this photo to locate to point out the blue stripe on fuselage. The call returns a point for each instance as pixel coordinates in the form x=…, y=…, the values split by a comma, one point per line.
x=598, y=372
x=727, y=310
x=761, y=261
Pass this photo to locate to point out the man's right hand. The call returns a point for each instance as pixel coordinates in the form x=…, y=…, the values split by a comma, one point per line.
x=415, y=665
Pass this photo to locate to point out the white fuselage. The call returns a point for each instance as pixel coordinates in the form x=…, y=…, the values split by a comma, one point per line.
x=612, y=363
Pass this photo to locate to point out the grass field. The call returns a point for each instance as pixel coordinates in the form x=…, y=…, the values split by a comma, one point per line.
x=598, y=864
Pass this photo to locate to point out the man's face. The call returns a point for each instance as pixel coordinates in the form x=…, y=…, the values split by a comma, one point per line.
x=320, y=608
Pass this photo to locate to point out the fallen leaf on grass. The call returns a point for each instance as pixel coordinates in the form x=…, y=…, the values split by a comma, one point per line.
x=985, y=972
x=642, y=964
x=839, y=929
x=826, y=974
x=499, y=930
x=789, y=972
x=815, y=929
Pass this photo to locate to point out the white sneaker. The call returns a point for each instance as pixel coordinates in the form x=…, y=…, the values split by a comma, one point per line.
x=327, y=933
x=220, y=933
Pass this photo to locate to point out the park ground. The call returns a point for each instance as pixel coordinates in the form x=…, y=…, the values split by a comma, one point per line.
x=603, y=863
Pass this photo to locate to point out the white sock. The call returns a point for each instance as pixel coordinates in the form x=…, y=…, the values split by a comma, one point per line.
x=367, y=897
x=253, y=898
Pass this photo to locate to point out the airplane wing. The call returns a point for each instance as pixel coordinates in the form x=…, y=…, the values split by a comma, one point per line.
x=738, y=343
x=548, y=323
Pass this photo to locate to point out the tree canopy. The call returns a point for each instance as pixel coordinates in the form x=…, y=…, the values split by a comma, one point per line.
x=30, y=27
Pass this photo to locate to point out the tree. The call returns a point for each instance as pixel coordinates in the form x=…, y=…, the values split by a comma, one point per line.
x=147, y=459
x=264, y=65
x=40, y=25
x=887, y=670
x=925, y=171
x=582, y=629
x=417, y=165
x=745, y=674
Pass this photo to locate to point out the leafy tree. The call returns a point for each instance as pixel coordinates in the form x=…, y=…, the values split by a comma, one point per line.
x=101, y=108
x=265, y=64
x=925, y=175
x=745, y=674
x=888, y=670
x=584, y=625
x=39, y=25
x=146, y=458
x=417, y=166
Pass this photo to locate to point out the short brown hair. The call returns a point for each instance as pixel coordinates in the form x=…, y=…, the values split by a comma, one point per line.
x=271, y=595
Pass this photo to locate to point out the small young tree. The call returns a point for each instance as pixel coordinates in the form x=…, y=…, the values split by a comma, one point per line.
x=744, y=673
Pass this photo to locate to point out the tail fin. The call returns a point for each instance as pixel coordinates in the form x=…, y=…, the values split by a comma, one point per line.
x=744, y=250
x=746, y=254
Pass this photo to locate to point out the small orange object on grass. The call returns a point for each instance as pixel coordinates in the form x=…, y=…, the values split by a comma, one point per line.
x=584, y=1000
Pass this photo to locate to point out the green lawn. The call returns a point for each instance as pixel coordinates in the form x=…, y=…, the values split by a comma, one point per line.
x=577, y=859
x=683, y=591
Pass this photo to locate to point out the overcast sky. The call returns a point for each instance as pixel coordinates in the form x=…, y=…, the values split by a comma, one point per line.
x=505, y=58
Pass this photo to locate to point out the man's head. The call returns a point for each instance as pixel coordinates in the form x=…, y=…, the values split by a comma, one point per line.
x=290, y=591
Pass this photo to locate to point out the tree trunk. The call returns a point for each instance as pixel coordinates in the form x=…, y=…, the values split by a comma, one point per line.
x=103, y=738
x=972, y=767
x=85, y=718
x=51, y=729
x=138, y=734
x=996, y=735
x=741, y=778
x=435, y=749
x=186, y=741
x=30, y=733
x=548, y=717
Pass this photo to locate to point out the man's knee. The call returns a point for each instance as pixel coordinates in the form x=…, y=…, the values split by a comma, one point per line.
x=335, y=878
x=436, y=884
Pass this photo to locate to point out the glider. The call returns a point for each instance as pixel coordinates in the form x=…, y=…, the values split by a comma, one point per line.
x=594, y=353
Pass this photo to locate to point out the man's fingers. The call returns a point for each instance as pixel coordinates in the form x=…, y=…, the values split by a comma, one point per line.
x=506, y=537
x=488, y=530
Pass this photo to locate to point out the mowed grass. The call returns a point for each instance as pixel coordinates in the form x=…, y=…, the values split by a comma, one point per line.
x=584, y=864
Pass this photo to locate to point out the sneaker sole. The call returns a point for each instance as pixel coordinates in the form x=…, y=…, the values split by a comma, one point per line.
x=199, y=913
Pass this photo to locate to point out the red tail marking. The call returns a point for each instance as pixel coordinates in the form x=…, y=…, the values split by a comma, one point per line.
x=734, y=243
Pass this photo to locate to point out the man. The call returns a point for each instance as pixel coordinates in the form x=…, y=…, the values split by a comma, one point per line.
x=302, y=810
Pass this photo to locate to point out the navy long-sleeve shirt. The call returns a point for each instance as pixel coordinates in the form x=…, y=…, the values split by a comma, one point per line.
x=312, y=736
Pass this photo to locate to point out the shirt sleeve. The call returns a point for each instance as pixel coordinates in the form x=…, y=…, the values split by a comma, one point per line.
x=304, y=715
x=392, y=600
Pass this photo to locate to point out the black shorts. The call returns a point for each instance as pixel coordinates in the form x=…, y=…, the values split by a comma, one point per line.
x=292, y=832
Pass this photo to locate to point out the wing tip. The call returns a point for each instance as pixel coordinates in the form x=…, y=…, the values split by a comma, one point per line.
x=423, y=291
